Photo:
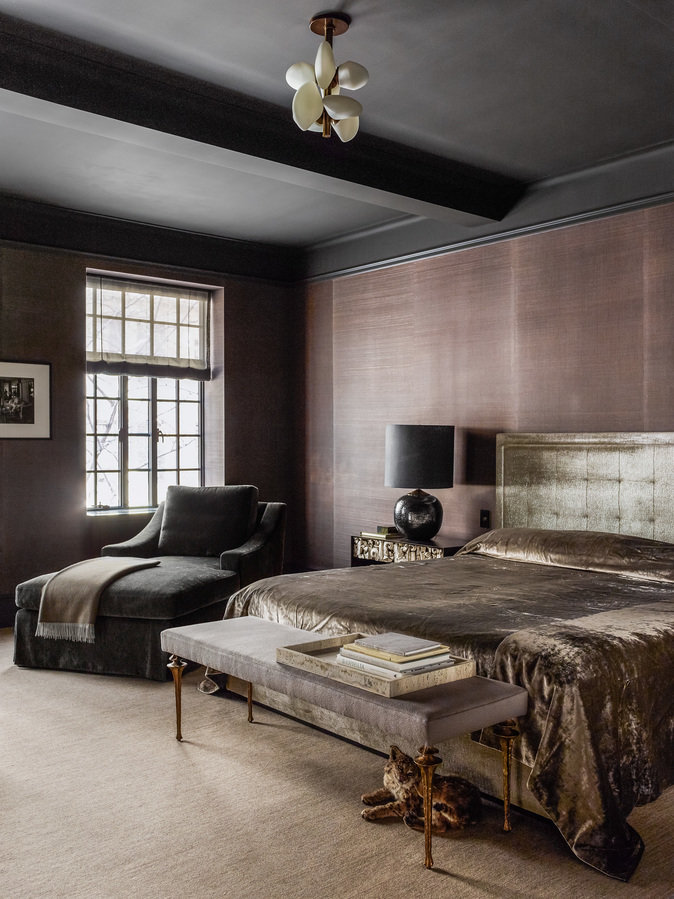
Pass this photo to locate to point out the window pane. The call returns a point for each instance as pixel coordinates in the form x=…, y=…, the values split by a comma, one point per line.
x=189, y=390
x=137, y=305
x=139, y=489
x=165, y=309
x=107, y=385
x=108, y=452
x=108, y=488
x=139, y=452
x=139, y=417
x=189, y=418
x=107, y=416
x=164, y=480
x=138, y=388
x=111, y=335
x=166, y=388
x=189, y=343
x=165, y=341
x=167, y=456
x=166, y=417
x=110, y=302
x=189, y=452
x=190, y=478
x=137, y=336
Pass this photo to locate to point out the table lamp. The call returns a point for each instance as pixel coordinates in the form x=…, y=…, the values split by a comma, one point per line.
x=419, y=455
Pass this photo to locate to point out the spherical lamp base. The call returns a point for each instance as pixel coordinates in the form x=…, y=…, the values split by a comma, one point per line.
x=418, y=515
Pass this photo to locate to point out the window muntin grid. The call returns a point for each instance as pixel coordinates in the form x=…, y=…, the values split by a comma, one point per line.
x=131, y=458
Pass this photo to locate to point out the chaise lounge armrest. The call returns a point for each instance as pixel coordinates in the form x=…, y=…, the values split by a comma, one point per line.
x=262, y=554
x=144, y=544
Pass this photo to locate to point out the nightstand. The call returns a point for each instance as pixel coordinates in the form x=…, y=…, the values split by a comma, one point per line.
x=371, y=550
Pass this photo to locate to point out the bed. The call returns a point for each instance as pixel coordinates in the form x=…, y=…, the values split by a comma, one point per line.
x=572, y=597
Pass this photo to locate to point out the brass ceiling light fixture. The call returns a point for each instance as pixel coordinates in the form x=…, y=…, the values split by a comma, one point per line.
x=318, y=104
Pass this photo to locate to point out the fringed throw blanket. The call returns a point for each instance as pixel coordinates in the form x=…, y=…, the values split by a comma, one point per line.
x=69, y=601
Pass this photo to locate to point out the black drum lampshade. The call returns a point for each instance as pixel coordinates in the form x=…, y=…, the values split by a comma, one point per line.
x=419, y=456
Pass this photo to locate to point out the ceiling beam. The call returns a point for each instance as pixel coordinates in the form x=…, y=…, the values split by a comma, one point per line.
x=50, y=66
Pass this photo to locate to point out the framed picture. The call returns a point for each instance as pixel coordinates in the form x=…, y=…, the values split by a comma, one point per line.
x=25, y=400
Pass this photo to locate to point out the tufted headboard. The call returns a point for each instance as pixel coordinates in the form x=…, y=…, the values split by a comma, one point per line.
x=615, y=482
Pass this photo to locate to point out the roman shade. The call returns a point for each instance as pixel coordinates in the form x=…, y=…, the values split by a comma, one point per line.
x=147, y=329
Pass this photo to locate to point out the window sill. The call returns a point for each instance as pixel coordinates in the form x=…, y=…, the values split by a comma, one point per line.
x=103, y=513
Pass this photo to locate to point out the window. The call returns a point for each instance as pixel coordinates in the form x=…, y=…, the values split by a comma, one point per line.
x=147, y=358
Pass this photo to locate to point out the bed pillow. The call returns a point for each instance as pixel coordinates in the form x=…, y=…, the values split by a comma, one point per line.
x=206, y=521
x=635, y=557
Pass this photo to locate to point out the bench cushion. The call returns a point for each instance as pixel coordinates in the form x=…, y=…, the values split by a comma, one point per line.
x=167, y=591
x=246, y=648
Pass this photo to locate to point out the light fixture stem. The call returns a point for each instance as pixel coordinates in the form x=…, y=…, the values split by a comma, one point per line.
x=329, y=34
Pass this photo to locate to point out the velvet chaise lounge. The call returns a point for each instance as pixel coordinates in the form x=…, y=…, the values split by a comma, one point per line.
x=209, y=541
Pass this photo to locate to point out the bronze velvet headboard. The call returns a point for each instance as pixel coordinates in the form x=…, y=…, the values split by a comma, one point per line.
x=621, y=483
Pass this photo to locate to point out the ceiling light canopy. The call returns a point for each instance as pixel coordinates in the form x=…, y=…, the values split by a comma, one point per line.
x=318, y=104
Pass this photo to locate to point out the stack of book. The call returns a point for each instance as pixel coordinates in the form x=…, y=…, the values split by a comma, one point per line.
x=382, y=532
x=394, y=656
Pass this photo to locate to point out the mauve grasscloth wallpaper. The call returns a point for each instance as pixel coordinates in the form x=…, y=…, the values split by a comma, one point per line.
x=571, y=329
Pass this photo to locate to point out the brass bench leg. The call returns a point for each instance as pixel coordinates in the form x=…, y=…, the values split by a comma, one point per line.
x=428, y=761
x=506, y=733
x=176, y=665
x=250, y=702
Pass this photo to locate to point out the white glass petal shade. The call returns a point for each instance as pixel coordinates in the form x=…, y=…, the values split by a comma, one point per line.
x=347, y=129
x=342, y=107
x=352, y=75
x=299, y=73
x=307, y=105
x=325, y=65
x=317, y=126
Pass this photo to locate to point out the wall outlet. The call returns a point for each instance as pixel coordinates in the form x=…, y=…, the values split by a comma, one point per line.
x=485, y=518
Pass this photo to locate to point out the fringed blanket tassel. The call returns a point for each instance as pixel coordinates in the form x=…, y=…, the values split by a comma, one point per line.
x=66, y=630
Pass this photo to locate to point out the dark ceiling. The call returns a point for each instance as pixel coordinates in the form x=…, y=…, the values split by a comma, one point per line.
x=175, y=113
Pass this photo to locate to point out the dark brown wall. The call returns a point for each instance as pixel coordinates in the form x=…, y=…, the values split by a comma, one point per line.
x=264, y=397
x=568, y=330
x=257, y=341
x=42, y=486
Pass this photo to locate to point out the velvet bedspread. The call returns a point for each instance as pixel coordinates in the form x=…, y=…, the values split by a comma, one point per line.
x=594, y=649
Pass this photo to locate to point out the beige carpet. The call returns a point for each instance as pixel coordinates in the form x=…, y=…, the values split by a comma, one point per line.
x=97, y=799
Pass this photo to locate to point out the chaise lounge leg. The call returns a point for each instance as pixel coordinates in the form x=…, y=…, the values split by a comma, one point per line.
x=176, y=665
x=506, y=733
x=428, y=761
x=250, y=702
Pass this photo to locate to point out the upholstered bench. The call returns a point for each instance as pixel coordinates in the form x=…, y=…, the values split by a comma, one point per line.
x=132, y=613
x=245, y=648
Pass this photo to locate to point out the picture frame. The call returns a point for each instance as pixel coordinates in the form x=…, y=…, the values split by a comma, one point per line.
x=25, y=400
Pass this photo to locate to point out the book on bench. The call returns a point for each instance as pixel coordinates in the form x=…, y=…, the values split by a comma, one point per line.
x=425, y=663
